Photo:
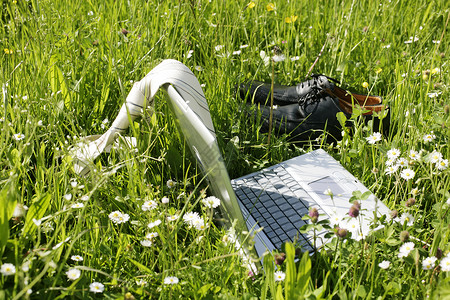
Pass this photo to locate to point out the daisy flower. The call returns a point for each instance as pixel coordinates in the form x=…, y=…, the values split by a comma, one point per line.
x=173, y=218
x=408, y=218
x=190, y=217
x=428, y=137
x=149, y=205
x=373, y=138
x=390, y=162
x=429, y=263
x=73, y=274
x=279, y=276
x=96, y=287
x=153, y=224
x=76, y=258
x=445, y=264
x=211, y=202
x=435, y=157
x=171, y=280
x=407, y=174
x=405, y=249
x=391, y=170
x=393, y=153
x=117, y=217
x=442, y=164
x=384, y=264
x=170, y=183
x=414, y=155
x=8, y=269
x=151, y=235
x=402, y=162
x=18, y=136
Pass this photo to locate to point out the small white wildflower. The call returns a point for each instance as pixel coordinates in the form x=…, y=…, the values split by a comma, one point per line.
x=170, y=183
x=37, y=222
x=165, y=200
x=442, y=164
x=78, y=205
x=68, y=197
x=405, y=249
x=279, y=276
x=153, y=224
x=328, y=192
x=237, y=52
x=448, y=201
x=117, y=217
x=384, y=264
x=336, y=219
x=198, y=68
x=415, y=192
x=279, y=58
x=295, y=58
x=393, y=153
x=18, y=136
x=429, y=263
x=199, y=224
x=390, y=161
x=171, y=280
x=73, y=274
x=141, y=282
x=402, y=162
x=19, y=210
x=151, y=235
x=435, y=157
x=173, y=218
x=26, y=266
x=211, y=202
x=190, y=217
x=243, y=46
x=429, y=137
x=189, y=54
x=391, y=170
x=74, y=183
x=149, y=205
x=445, y=264
x=414, y=155
x=412, y=40
x=84, y=198
x=408, y=218
x=40, y=123
x=76, y=258
x=96, y=287
x=407, y=174
x=8, y=269
x=218, y=47
x=433, y=95
x=146, y=243
x=373, y=138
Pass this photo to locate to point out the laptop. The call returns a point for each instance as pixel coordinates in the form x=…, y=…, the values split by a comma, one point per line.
x=272, y=202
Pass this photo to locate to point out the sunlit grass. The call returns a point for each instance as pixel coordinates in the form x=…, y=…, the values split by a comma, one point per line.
x=67, y=67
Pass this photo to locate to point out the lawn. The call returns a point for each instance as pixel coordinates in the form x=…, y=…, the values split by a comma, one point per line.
x=141, y=225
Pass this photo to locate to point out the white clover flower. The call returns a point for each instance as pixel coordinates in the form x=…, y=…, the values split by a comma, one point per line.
x=211, y=202
x=408, y=218
x=165, y=200
x=170, y=183
x=153, y=224
x=96, y=287
x=18, y=136
x=393, y=153
x=279, y=276
x=149, y=205
x=407, y=174
x=76, y=258
x=435, y=157
x=429, y=263
x=173, y=218
x=73, y=274
x=429, y=137
x=171, y=280
x=373, y=138
x=391, y=170
x=146, y=243
x=190, y=217
x=8, y=269
x=414, y=155
x=405, y=249
x=384, y=264
x=442, y=164
x=77, y=205
x=445, y=264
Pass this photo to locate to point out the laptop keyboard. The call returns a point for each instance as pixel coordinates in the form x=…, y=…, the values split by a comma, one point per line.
x=277, y=202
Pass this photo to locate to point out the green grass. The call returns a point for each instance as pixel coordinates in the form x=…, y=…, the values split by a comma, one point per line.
x=70, y=65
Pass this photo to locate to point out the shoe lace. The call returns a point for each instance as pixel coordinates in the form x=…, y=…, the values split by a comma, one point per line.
x=313, y=95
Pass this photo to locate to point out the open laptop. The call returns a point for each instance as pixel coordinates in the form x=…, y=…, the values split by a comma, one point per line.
x=275, y=198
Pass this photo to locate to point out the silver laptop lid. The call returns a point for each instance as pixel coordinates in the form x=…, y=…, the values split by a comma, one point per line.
x=206, y=151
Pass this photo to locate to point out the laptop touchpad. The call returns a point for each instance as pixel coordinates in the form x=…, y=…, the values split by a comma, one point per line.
x=323, y=185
